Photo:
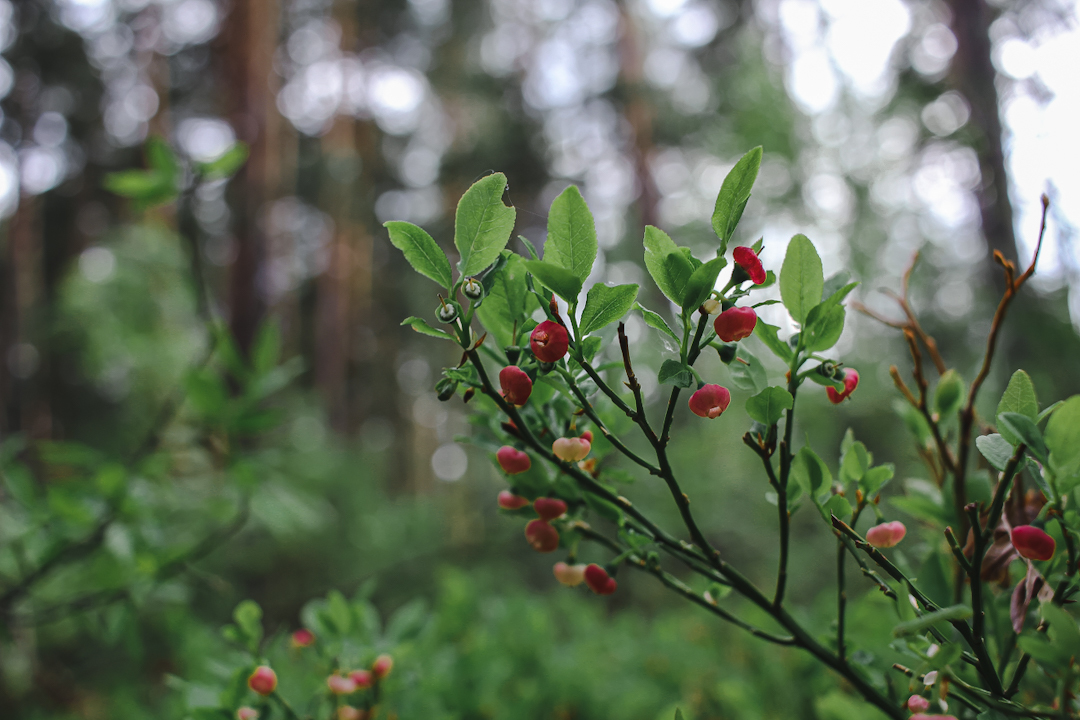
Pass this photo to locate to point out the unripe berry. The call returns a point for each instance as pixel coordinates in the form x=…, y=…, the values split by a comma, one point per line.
x=512, y=460
x=341, y=685
x=382, y=666
x=363, y=678
x=247, y=713
x=599, y=581
x=748, y=260
x=886, y=535
x=303, y=638
x=569, y=575
x=472, y=289
x=541, y=536
x=549, y=508
x=446, y=313
x=516, y=385
x=735, y=324
x=1032, y=543
x=917, y=703
x=549, y=341
x=263, y=680
x=510, y=501
x=710, y=401
x=348, y=712
x=571, y=449
x=851, y=381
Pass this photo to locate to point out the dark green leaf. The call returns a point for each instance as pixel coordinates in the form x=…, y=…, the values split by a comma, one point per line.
x=801, y=278
x=1063, y=631
x=483, y=224
x=701, y=284
x=996, y=449
x=605, y=304
x=426, y=257
x=1063, y=437
x=565, y=283
x=731, y=201
x=834, y=283
x=768, y=406
x=1024, y=428
x=1019, y=397
x=675, y=373
x=925, y=622
x=571, y=240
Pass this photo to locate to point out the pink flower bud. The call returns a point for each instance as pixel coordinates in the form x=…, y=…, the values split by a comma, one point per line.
x=569, y=575
x=735, y=323
x=886, y=535
x=710, y=401
x=587, y=435
x=516, y=385
x=917, y=703
x=1032, y=543
x=247, y=713
x=851, y=381
x=512, y=460
x=303, y=638
x=571, y=449
x=748, y=260
x=382, y=666
x=549, y=341
x=348, y=712
x=263, y=680
x=549, y=508
x=599, y=581
x=362, y=678
x=510, y=501
x=541, y=536
x=341, y=685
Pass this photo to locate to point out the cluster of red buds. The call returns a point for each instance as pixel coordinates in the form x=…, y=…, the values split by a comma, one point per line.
x=542, y=536
x=264, y=681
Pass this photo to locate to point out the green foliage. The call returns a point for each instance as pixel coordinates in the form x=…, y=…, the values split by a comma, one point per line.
x=768, y=406
x=801, y=278
x=420, y=250
x=733, y=196
x=605, y=305
x=571, y=239
x=483, y=224
x=668, y=266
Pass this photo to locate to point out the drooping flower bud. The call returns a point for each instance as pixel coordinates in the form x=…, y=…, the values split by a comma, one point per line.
x=549, y=508
x=382, y=666
x=571, y=449
x=512, y=460
x=348, y=712
x=735, y=324
x=599, y=581
x=710, y=401
x=886, y=535
x=851, y=381
x=748, y=260
x=569, y=575
x=472, y=289
x=516, y=385
x=263, y=680
x=445, y=389
x=247, y=713
x=918, y=704
x=341, y=685
x=541, y=536
x=587, y=435
x=363, y=679
x=1032, y=543
x=303, y=638
x=510, y=501
x=549, y=341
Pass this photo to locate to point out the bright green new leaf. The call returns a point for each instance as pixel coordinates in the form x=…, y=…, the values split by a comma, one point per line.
x=839, y=506
x=675, y=373
x=949, y=394
x=801, y=278
x=876, y=478
x=605, y=304
x=420, y=325
x=855, y=463
x=670, y=275
x=565, y=283
x=227, y=164
x=653, y=320
x=426, y=257
x=571, y=240
x=701, y=284
x=1019, y=397
x=768, y=334
x=731, y=201
x=1063, y=437
x=768, y=406
x=483, y=224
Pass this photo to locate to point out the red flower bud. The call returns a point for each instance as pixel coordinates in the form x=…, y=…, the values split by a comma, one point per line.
x=886, y=535
x=748, y=260
x=263, y=680
x=341, y=685
x=516, y=385
x=587, y=435
x=710, y=401
x=303, y=638
x=1032, y=543
x=851, y=381
x=735, y=323
x=549, y=508
x=571, y=449
x=247, y=713
x=541, y=536
x=362, y=678
x=599, y=581
x=569, y=575
x=382, y=666
x=512, y=461
x=549, y=341
x=917, y=703
x=510, y=501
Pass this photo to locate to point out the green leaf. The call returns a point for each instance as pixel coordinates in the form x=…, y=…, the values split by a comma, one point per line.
x=801, y=278
x=248, y=617
x=876, y=478
x=605, y=304
x=571, y=240
x=1044, y=653
x=1063, y=631
x=839, y=506
x=146, y=187
x=823, y=329
x=996, y=449
x=921, y=624
x=1019, y=397
x=565, y=283
x=266, y=350
x=701, y=284
x=768, y=406
x=855, y=463
x=669, y=268
x=655, y=321
x=949, y=394
x=420, y=325
x=747, y=372
x=678, y=714
x=227, y=164
x=768, y=334
x=483, y=224
x=1063, y=437
x=675, y=373
x=835, y=283
x=507, y=301
x=811, y=472
x=1024, y=428
x=731, y=201
x=426, y=257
